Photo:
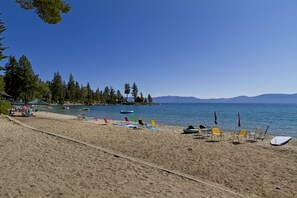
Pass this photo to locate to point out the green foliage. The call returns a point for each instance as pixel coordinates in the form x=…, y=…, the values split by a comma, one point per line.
x=28, y=79
x=2, y=48
x=12, y=78
x=120, y=98
x=43, y=91
x=149, y=98
x=127, y=90
x=134, y=91
x=96, y=96
x=89, y=96
x=4, y=106
x=70, y=94
x=57, y=88
x=48, y=10
x=2, y=84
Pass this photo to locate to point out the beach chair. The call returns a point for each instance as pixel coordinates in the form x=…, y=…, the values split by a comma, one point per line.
x=241, y=134
x=153, y=122
x=260, y=134
x=141, y=122
x=127, y=120
x=216, y=132
x=204, y=131
x=81, y=117
x=132, y=118
x=106, y=121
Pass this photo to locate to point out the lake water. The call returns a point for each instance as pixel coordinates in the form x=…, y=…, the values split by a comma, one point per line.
x=282, y=118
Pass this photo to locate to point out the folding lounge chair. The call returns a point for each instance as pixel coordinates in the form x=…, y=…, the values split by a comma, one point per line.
x=106, y=121
x=127, y=120
x=153, y=123
x=141, y=122
x=216, y=132
x=241, y=134
x=260, y=134
x=204, y=131
x=132, y=118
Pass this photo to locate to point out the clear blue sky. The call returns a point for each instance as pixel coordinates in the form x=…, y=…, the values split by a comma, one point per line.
x=201, y=48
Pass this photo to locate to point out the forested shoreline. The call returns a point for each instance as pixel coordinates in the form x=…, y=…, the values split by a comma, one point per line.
x=21, y=83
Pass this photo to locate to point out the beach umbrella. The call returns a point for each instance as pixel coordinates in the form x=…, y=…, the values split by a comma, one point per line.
x=238, y=120
x=215, y=118
x=37, y=102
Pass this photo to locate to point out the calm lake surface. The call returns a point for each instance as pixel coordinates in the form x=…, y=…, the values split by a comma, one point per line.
x=282, y=118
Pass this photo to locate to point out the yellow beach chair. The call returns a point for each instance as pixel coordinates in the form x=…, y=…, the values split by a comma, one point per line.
x=153, y=123
x=241, y=134
x=216, y=132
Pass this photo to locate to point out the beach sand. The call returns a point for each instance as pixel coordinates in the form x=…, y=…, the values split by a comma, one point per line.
x=35, y=164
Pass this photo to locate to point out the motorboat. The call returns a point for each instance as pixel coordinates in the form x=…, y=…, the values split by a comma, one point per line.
x=126, y=111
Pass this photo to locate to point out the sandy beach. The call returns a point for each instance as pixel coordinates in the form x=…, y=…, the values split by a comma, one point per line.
x=112, y=161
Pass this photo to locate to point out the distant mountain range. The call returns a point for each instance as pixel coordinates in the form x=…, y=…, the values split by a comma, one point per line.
x=265, y=98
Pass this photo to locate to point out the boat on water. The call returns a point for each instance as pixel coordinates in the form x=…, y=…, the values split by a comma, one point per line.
x=85, y=109
x=65, y=108
x=126, y=111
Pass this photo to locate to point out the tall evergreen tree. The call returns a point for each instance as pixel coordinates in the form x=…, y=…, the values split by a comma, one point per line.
x=84, y=93
x=71, y=89
x=57, y=88
x=127, y=90
x=149, y=98
x=141, y=97
x=12, y=78
x=134, y=91
x=2, y=48
x=105, y=95
x=2, y=85
x=28, y=78
x=112, y=96
x=64, y=92
x=97, y=96
x=120, y=98
x=89, y=97
x=77, y=92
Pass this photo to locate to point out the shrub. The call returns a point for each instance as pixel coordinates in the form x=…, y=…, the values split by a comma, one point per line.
x=4, y=106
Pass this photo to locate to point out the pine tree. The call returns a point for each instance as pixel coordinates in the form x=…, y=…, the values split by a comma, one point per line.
x=28, y=78
x=2, y=48
x=2, y=85
x=84, y=93
x=12, y=78
x=97, y=96
x=141, y=97
x=127, y=90
x=134, y=91
x=112, y=96
x=57, y=88
x=105, y=95
x=77, y=92
x=150, y=99
x=71, y=89
x=89, y=96
x=120, y=98
x=48, y=10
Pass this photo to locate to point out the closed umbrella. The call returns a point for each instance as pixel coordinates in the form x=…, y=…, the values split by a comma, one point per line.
x=215, y=118
x=238, y=121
